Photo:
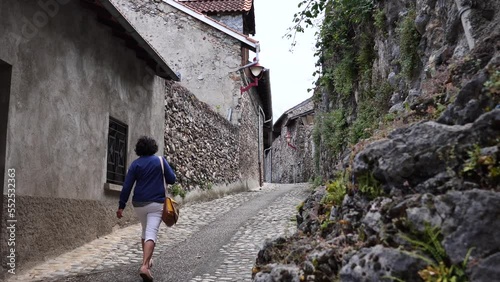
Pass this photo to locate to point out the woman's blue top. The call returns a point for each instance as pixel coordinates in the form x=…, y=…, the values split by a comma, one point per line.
x=145, y=172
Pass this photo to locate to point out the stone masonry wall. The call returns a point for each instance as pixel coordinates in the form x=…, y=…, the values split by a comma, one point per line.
x=250, y=143
x=285, y=164
x=201, y=146
x=233, y=21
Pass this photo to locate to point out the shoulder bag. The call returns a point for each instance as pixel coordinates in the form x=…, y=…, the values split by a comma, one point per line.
x=170, y=213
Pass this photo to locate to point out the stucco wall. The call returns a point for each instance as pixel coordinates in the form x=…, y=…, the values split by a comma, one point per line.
x=205, y=57
x=69, y=74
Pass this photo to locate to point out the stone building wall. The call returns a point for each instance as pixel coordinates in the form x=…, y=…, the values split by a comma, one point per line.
x=292, y=163
x=207, y=60
x=233, y=21
x=205, y=149
x=285, y=164
x=251, y=146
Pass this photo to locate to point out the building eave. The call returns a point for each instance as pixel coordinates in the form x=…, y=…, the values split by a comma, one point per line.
x=143, y=48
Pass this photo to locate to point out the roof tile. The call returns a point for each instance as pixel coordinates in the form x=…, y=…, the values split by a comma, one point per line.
x=214, y=6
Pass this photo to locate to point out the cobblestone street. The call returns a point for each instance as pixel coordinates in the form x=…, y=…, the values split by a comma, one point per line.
x=120, y=251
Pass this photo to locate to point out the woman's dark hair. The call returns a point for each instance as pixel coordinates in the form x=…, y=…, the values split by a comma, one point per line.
x=146, y=146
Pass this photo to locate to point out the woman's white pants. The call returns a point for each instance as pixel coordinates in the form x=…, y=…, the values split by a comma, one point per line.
x=150, y=218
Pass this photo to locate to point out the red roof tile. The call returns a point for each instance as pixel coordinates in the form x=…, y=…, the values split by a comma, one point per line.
x=214, y=6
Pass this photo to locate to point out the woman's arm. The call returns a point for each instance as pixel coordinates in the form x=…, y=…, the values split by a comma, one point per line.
x=169, y=173
x=127, y=187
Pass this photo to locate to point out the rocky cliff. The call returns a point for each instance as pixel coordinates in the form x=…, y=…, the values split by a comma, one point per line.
x=409, y=156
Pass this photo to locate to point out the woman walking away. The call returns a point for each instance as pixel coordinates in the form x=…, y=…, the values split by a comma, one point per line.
x=149, y=195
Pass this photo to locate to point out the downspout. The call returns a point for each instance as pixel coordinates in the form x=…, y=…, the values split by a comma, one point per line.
x=263, y=114
x=265, y=121
x=464, y=12
x=258, y=150
x=256, y=61
x=258, y=136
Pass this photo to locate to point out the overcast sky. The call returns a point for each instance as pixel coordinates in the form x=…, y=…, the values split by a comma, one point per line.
x=291, y=73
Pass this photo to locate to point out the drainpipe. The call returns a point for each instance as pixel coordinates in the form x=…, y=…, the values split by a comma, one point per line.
x=265, y=121
x=258, y=150
x=464, y=11
x=264, y=115
x=256, y=61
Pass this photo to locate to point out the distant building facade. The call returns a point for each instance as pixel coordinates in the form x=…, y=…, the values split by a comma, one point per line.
x=290, y=159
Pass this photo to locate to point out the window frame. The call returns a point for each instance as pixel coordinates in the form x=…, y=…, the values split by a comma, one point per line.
x=118, y=164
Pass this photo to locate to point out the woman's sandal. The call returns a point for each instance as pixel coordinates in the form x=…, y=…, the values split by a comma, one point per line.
x=146, y=276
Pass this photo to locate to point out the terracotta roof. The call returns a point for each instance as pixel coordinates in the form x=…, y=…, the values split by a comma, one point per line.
x=218, y=6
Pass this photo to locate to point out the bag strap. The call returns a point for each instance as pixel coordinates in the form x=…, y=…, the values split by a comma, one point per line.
x=163, y=175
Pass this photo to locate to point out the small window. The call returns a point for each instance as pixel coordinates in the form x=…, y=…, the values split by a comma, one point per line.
x=117, y=152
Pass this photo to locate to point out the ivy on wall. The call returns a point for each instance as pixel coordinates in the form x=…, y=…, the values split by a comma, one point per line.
x=345, y=48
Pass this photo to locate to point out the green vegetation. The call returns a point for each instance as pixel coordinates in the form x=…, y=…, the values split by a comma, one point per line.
x=334, y=129
x=492, y=85
x=347, y=26
x=177, y=190
x=380, y=19
x=338, y=189
x=324, y=226
x=299, y=206
x=346, y=50
x=317, y=181
x=369, y=186
x=484, y=167
x=439, y=268
x=358, y=101
x=365, y=57
x=344, y=75
x=316, y=136
x=334, y=195
x=409, y=39
x=473, y=160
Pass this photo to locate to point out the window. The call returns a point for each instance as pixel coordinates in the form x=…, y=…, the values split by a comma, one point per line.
x=117, y=152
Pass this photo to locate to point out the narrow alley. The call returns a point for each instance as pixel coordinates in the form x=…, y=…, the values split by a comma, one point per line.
x=213, y=241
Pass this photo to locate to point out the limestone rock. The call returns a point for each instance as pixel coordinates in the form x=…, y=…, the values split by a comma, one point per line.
x=372, y=264
x=413, y=155
x=287, y=273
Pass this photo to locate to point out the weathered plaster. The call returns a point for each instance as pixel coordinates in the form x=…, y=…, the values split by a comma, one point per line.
x=67, y=79
x=69, y=74
x=206, y=58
